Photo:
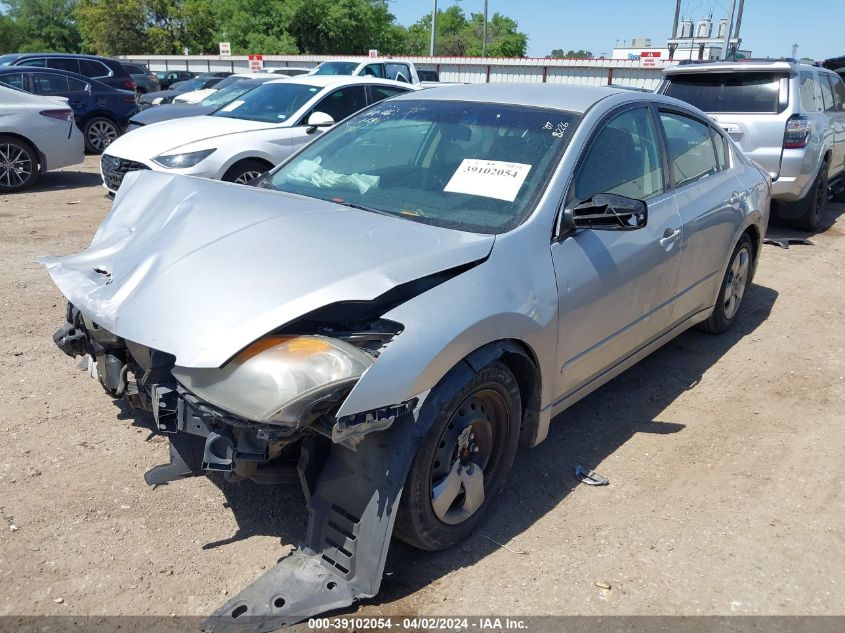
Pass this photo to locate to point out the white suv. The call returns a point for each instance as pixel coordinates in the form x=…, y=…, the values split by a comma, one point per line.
x=786, y=116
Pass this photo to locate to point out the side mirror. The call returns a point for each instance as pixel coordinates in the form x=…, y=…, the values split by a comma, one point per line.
x=605, y=212
x=318, y=119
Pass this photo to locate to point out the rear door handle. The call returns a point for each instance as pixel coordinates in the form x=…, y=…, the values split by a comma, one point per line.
x=669, y=238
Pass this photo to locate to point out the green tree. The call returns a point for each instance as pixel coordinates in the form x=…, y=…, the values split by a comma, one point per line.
x=255, y=26
x=10, y=35
x=45, y=25
x=458, y=36
x=345, y=26
x=113, y=28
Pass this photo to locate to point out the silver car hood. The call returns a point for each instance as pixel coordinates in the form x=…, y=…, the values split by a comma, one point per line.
x=200, y=269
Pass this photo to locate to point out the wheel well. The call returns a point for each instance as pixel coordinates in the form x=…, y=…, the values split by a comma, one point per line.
x=267, y=163
x=41, y=158
x=521, y=360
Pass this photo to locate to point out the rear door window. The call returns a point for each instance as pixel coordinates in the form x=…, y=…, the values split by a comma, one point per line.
x=48, y=84
x=809, y=101
x=744, y=92
x=63, y=63
x=827, y=93
x=395, y=70
x=76, y=86
x=692, y=153
x=838, y=93
x=380, y=93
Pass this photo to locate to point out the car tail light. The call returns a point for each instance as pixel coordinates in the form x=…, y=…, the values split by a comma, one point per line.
x=129, y=84
x=798, y=129
x=61, y=115
x=129, y=98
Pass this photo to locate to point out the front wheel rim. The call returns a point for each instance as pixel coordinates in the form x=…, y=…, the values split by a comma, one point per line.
x=736, y=282
x=465, y=457
x=101, y=134
x=247, y=176
x=15, y=165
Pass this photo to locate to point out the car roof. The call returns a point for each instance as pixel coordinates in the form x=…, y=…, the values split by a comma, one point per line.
x=572, y=98
x=752, y=65
x=77, y=55
x=325, y=81
x=8, y=70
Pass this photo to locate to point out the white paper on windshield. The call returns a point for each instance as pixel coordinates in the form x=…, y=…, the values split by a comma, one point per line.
x=232, y=106
x=488, y=178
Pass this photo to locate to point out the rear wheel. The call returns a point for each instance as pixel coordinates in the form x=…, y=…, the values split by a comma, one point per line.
x=734, y=284
x=246, y=170
x=814, y=203
x=18, y=164
x=99, y=132
x=462, y=463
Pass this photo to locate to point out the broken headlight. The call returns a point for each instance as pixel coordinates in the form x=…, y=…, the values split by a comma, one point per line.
x=277, y=378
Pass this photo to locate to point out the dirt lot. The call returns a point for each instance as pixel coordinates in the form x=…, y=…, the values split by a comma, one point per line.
x=724, y=456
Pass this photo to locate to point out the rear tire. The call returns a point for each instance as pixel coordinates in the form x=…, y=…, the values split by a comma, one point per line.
x=463, y=462
x=245, y=170
x=19, y=167
x=814, y=204
x=99, y=133
x=733, y=288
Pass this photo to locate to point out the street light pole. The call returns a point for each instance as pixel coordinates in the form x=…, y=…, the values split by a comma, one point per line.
x=728, y=30
x=433, y=29
x=484, y=36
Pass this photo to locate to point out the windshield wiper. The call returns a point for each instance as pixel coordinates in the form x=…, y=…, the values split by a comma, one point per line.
x=361, y=207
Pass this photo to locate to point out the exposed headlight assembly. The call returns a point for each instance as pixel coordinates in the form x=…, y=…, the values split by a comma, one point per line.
x=277, y=378
x=180, y=161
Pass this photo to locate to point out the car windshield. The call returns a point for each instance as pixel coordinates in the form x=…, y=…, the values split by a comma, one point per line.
x=7, y=59
x=742, y=92
x=193, y=84
x=269, y=103
x=470, y=166
x=336, y=68
x=225, y=95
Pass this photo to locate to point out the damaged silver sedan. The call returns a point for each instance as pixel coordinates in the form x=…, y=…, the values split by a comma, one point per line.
x=389, y=313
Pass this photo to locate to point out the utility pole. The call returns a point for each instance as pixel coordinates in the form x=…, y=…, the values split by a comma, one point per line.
x=735, y=47
x=433, y=29
x=795, y=51
x=484, y=35
x=674, y=34
x=728, y=30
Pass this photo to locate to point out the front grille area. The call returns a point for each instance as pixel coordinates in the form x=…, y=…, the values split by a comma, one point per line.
x=114, y=169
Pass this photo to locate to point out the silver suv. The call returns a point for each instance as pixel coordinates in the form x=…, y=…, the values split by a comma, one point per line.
x=786, y=116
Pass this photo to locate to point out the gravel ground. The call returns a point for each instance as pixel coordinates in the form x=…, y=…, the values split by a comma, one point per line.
x=724, y=456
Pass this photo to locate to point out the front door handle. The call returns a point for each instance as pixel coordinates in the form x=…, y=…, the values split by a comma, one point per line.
x=669, y=238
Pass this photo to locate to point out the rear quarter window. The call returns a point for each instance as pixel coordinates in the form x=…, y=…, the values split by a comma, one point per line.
x=809, y=98
x=744, y=92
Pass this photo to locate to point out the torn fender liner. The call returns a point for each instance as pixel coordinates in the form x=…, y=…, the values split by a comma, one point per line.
x=201, y=269
x=352, y=503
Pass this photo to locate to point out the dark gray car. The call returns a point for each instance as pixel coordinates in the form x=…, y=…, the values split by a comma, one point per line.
x=145, y=80
x=181, y=110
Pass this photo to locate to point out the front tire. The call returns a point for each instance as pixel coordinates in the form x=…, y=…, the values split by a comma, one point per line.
x=99, y=133
x=463, y=462
x=732, y=292
x=18, y=164
x=245, y=171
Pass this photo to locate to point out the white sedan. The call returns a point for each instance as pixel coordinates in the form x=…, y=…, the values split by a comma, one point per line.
x=247, y=136
x=37, y=134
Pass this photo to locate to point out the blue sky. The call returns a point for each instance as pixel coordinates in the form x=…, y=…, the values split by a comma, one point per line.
x=769, y=27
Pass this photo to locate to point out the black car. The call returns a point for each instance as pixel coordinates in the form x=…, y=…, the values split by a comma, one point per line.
x=144, y=79
x=204, y=80
x=169, y=77
x=108, y=71
x=100, y=111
